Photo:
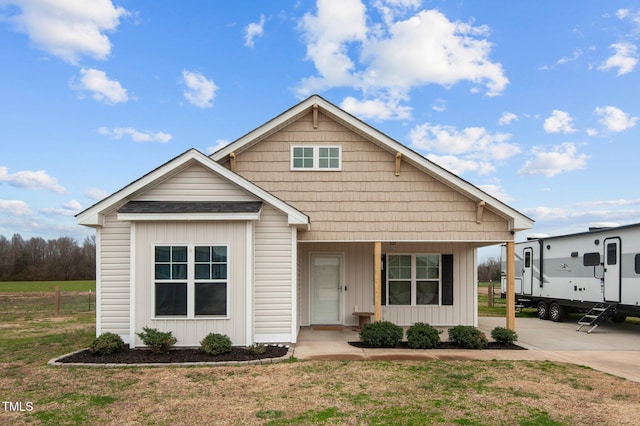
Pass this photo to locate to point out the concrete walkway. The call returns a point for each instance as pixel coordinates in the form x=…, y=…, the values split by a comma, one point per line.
x=611, y=348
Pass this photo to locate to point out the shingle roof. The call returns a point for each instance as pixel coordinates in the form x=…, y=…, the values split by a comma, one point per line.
x=191, y=207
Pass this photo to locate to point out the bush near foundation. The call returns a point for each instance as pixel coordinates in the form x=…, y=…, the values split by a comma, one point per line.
x=422, y=336
x=381, y=334
x=106, y=344
x=160, y=342
x=215, y=344
x=468, y=337
x=504, y=335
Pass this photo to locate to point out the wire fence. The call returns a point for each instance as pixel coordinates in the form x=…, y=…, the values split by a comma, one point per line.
x=15, y=306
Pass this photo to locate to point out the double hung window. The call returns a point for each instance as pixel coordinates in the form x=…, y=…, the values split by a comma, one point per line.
x=316, y=157
x=413, y=279
x=191, y=281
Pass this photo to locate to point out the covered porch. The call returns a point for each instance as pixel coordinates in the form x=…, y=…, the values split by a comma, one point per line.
x=403, y=282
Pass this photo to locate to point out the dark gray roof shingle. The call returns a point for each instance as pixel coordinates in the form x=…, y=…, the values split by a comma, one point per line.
x=191, y=207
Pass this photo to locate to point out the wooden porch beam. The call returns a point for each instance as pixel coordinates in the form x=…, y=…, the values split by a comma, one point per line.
x=377, y=280
x=511, y=287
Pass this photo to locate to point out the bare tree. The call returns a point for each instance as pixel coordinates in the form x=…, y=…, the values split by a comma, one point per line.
x=489, y=270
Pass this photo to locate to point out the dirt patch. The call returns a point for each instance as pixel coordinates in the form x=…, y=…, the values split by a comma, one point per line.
x=143, y=356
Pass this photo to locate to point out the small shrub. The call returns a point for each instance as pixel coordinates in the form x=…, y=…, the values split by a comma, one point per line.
x=381, y=334
x=257, y=349
x=106, y=344
x=504, y=335
x=159, y=341
x=468, y=337
x=215, y=344
x=422, y=336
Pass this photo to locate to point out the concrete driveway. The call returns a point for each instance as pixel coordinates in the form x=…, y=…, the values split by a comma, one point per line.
x=611, y=348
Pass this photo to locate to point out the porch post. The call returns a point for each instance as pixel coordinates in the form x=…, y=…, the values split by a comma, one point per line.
x=377, y=280
x=511, y=305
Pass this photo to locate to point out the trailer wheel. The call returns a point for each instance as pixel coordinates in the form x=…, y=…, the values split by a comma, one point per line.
x=543, y=311
x=556, y=312
x=619, y=318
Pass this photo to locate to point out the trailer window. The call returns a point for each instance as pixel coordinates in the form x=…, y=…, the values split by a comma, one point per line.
x=637, y=263
x=591, y=259
x=612, y=254
x=527, y=259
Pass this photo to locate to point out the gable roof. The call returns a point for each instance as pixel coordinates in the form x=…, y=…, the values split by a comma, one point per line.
x=517, y=220
x=93, y=216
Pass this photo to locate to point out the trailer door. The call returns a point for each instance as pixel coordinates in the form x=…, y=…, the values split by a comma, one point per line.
x=612, y=276
x=527, y=271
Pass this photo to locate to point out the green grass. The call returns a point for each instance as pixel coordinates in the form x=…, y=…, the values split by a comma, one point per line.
x=302, y=392
x=45, y=286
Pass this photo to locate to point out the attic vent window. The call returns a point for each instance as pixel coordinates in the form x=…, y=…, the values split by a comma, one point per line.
x=316, y=157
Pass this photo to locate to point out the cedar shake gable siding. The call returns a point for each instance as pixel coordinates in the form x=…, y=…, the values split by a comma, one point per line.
x=364, y=200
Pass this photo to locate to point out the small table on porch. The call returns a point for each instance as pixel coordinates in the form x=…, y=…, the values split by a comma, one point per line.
x=363, y=318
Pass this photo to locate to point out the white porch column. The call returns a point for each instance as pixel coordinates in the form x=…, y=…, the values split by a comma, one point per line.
x=377, y=280
x=511, y=287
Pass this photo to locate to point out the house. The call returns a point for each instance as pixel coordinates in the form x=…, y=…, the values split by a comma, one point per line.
x=308, y=218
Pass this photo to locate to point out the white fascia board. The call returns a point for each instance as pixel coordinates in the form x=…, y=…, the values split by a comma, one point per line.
x=132, y=217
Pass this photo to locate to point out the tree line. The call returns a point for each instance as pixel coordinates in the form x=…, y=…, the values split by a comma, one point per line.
x=35, y=259
x=489, y=270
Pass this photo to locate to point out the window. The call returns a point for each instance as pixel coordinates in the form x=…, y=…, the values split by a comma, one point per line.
x=190, y=281
x=637, y=263
x=413, y=279
x=591, y=259
x=316, y=157
x=612, y=254
x=527, y=259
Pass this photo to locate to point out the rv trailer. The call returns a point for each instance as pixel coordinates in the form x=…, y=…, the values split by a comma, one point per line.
x=597, y=272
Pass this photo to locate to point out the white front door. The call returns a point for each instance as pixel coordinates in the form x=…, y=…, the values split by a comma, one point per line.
x=326, y=289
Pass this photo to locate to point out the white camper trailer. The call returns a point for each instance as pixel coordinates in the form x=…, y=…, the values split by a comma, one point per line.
x=597, y=272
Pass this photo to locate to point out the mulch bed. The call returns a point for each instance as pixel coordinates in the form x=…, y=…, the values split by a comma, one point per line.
x=452, y=345
x=144, y=356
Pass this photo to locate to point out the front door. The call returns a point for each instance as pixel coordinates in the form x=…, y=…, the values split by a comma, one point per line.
x=326, y=289
x=612, y=270
x=527, y=271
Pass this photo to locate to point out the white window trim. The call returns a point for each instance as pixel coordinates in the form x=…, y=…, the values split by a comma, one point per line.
x=414, y=279
x=191, y=282
x=316, y=158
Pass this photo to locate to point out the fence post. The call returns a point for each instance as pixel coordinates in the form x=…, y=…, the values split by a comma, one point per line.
x=57, y=300
x=490, y=294
x=89, y=300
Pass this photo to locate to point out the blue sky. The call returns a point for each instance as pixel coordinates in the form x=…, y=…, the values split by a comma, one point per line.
x=536, y=102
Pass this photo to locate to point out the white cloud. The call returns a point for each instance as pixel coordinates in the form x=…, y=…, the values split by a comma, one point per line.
x=619, y=202
x=220, y=143
x=559, y=122
x=252, y=31
x=496, y=191
x=624, y=60
x=69, y=208
x=507, y=118
x=68, y=29
x=104, y=90
x=472, y=149
x=473, y=142
x=562, y=158
x=15, y=208
x=95, y=194
x=31, y=180
x=376, y=109
x=388, y=59
x=574, y=56
x=200, y=91
x=459, y=166
x=136, y=136
x=614, y=119
x=439, y=105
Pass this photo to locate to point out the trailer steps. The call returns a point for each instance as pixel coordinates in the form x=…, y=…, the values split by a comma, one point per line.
x=596, y=315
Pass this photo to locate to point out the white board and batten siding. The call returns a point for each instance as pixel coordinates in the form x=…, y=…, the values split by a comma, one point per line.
x=189, y=332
